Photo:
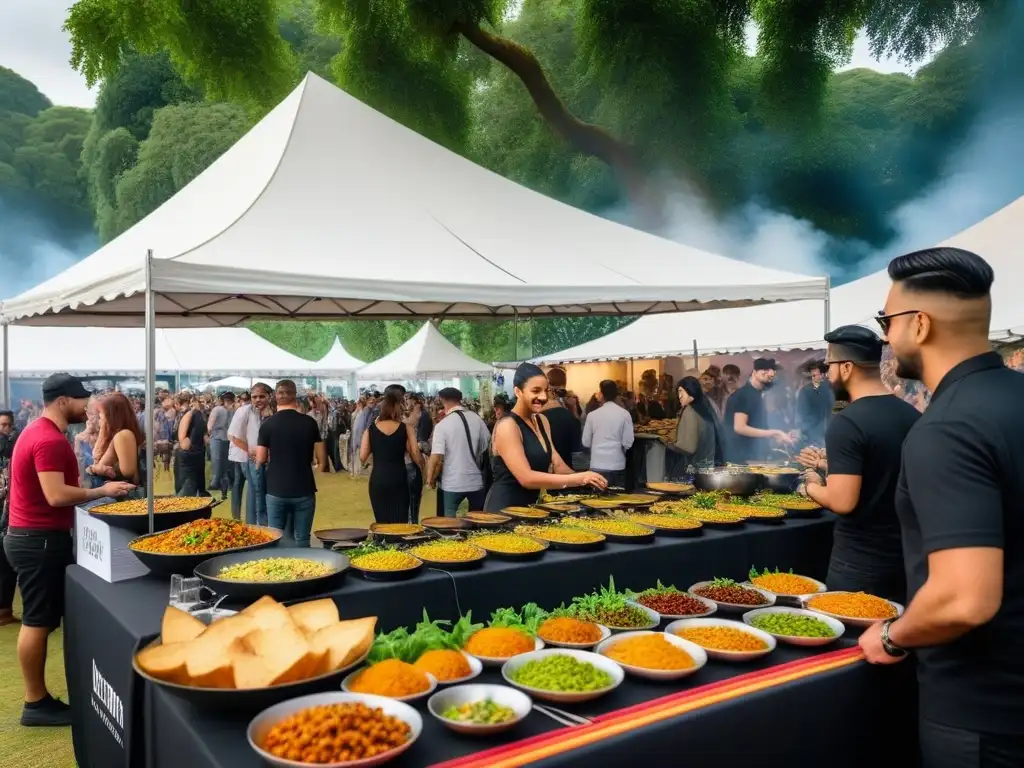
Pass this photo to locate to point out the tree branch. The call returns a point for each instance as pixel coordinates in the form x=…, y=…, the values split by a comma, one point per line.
x=584, y=137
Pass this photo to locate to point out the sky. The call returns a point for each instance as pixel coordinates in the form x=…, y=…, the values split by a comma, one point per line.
x=33, y=44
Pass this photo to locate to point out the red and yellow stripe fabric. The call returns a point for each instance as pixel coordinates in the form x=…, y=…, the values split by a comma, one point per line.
x=563, y=740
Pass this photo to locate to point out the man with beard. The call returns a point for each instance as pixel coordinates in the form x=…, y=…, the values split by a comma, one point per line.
x=38, y=543
x=863, y=444
x=959, y=503
x=746, y=418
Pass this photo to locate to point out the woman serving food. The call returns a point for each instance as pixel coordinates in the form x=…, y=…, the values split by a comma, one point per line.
x=525, y=461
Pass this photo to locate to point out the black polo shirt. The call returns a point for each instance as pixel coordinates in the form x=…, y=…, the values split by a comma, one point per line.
x=962, y=485
x=743, y=449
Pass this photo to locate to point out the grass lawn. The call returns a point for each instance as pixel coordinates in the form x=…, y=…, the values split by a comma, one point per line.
x=342, y=501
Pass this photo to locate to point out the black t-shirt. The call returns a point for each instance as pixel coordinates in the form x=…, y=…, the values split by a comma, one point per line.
x=195, y=456
x=741, y=449
x=566, y=432
x=962, y=485
x=290, y=436
x=866, y=439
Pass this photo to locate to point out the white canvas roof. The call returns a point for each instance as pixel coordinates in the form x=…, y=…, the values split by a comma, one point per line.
x=329, y=208
x=800, y=324
x=337, y=361
x=239, y=382
x=427, y=355
x=121, y=351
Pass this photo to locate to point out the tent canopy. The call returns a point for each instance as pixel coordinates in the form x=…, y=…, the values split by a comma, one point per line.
x=328, y=208
x=427, y=355
x=37, y=352
x=337, y=361
x=238, y=382
x=799, y=324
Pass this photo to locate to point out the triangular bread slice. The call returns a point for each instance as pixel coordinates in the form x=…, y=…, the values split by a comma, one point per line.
x=285, y=651
x=179, y=627
x=267, y=613
x=165, y=662
x=208, y=658
x=341, y=644
x=209, y=664
x=314, y=615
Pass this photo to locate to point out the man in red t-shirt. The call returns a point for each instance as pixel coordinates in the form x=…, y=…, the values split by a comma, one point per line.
x=43, y=494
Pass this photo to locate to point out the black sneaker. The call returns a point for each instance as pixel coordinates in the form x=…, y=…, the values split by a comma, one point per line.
x=47, y=711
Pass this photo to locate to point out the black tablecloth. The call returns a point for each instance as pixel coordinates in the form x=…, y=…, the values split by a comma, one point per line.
x=845, y=714
x=105, y=622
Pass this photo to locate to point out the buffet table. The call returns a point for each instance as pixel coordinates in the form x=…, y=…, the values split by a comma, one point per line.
x=121, y=720
x=780, y=713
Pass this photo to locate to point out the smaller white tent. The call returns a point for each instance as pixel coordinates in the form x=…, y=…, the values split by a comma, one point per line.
x=427, y=355
x=237, y=382
x=337, y=361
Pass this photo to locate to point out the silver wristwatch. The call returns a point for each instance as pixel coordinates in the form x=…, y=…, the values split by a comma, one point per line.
x=887, y=645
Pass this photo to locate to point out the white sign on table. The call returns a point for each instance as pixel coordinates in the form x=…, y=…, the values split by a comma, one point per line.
x=103, y=549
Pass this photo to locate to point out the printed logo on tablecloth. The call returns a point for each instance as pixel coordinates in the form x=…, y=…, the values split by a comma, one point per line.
x=107, y=705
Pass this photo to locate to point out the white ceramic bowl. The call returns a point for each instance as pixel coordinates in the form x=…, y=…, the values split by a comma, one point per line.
x=735, y=607
x=768, y=640
x=515, y=700
x=698, y=654
x=819, y=584
x=605, y=634
x=496, y=661
x=347, y=683
x=850, y=621
x=268, y=718
x=653, y=616
x=712, y=606
x=836, y=626
x=475, y=665
x=564, y=697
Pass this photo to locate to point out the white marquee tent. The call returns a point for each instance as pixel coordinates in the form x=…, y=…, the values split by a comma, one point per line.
x=337, y=361
x=37, y=352
x=329, y=208
x=798, y=324
x=427, y=355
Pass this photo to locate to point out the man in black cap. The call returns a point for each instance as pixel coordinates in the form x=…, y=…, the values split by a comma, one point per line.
x=38, y=544
x=959, y=502
x=746, y=418
x=863, y=444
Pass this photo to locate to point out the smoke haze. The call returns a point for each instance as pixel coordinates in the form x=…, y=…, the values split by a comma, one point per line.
x=31, y=250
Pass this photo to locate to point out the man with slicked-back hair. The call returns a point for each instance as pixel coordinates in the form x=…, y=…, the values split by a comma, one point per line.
x=960, y=500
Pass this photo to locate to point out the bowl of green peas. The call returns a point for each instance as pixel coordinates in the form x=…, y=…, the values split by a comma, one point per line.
x=796, y=626
x=563, y=675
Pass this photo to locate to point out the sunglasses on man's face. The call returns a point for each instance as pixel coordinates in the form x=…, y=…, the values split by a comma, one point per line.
x=885, y=321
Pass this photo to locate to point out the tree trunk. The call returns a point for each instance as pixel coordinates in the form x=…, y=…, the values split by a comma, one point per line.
x=584, y=137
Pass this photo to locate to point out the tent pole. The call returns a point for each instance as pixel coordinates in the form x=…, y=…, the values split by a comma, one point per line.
x=150, y=383
x=515, y=334
x=7, y=368
x=828, y=304
x=696, y=360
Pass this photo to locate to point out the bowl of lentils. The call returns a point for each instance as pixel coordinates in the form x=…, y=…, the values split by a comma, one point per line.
x=562, y=675
x=671, y=603
x=731, y=596
x=796, y=626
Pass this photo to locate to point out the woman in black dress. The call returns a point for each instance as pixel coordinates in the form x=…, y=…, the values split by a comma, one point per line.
x=388, y=439
x=525, y=461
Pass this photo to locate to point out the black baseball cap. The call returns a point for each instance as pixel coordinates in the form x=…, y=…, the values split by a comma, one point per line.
x=765, y=364
x=450, y=393
x=854, y=344
x=64, y=385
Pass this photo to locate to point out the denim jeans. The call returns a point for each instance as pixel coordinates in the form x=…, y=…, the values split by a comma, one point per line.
x=293, y=516
x=414, y=478
x=256, y=497
x=616, y=477
x=220, y=467
x=238, y=475
x=452, y=500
